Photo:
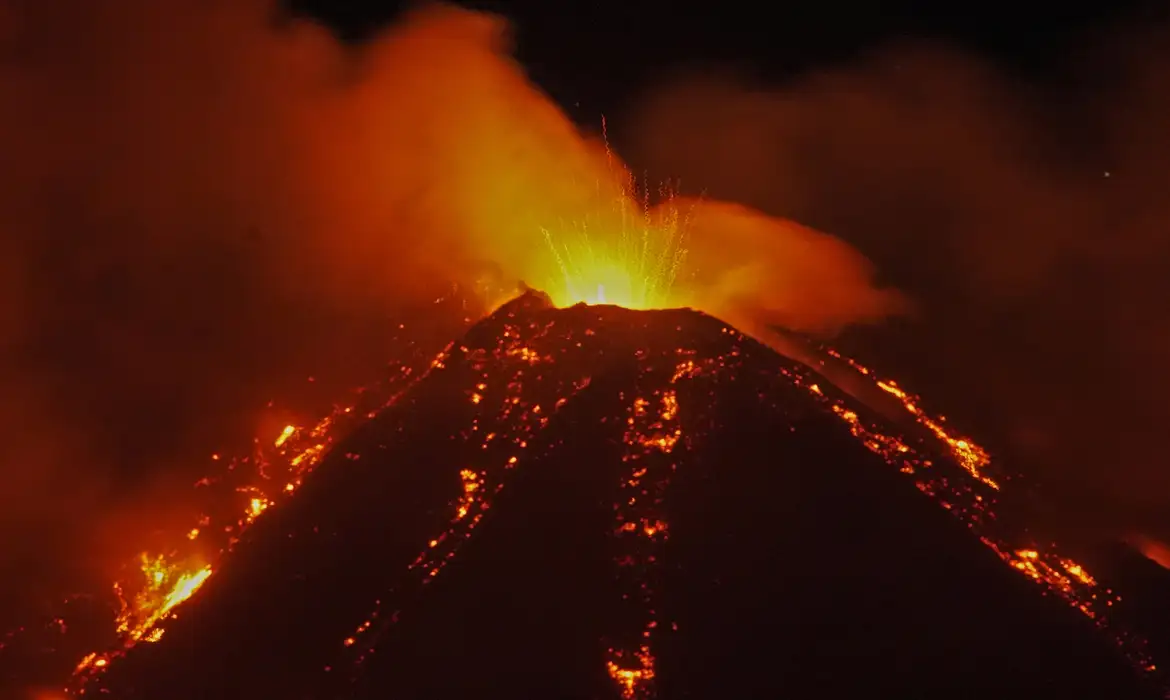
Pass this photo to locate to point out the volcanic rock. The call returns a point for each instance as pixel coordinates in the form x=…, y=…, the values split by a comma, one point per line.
x=595, y=502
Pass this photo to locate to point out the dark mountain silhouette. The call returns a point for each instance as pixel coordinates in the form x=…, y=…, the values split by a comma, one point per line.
x=593, y=501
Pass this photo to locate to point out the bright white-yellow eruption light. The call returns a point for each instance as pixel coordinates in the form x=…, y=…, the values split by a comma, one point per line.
x=628, y=257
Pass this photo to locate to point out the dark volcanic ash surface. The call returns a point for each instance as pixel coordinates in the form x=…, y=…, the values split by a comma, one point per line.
x=596, y=502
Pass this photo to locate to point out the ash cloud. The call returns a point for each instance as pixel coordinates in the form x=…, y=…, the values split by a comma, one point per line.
x=1028, y=220
x=203, y=201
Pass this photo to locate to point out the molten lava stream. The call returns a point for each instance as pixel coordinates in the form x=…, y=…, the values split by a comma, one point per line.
x=970, y=495
x=506, y=415
x=641, y=528
x=163, y=582
x=508, y=403
x=169, y=580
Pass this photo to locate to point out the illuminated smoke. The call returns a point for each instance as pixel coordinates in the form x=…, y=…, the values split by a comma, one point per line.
x=1152, y=549
x=751, y=269
x=1027, y=221
x=200, y=202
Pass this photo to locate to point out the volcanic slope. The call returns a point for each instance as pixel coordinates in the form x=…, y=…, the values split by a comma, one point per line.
x=598, y=502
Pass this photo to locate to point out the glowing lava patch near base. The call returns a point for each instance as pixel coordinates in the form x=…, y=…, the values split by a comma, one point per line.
x=599, y=502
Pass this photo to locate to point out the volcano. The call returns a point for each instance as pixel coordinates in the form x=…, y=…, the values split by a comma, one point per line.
x=595, y=502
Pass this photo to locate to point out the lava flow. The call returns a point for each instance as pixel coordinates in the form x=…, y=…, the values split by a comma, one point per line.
x=169, y=579
x=506, y=394
x=653, y=432
x=522, y=374
x=519, y=373
x=951, y=469
x=584, y=489
x=235, y=495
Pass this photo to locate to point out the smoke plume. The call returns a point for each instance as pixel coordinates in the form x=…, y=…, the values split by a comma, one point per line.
x=1028, y=220
x=203, y=201
x=750, y=268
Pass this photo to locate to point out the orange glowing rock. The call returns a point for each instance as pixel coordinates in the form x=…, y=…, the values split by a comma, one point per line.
x=504, y=401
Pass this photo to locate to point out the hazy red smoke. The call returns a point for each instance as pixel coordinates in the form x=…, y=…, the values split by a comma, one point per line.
x=1030, y=222
x=201, y=203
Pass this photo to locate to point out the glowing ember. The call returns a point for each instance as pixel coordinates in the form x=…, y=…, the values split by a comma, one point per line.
x=626, y=256
x=515, y=385
x=166, y=581
x=974, y=503
x=637, y=273
x=652, y=433
x=970, y=456
x=951, y=469
x=165, y=588
x=500, y=450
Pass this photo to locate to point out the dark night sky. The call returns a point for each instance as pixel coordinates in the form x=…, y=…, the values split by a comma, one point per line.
x=592, y=56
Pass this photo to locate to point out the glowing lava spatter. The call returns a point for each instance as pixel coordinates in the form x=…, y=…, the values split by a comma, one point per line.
x=970, y=456
x=950, y=469
x=508, y=413
x=502, y=423
x=523, y=377
x=624, y=256
x=974, y=503
x=652, y=433
x=159, y=582
x=170, y=579
x=637, y=271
